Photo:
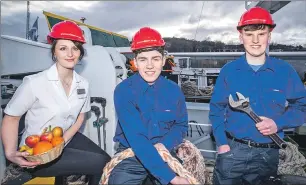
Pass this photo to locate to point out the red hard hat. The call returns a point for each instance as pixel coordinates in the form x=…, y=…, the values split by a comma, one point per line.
x=145, y=38
x=66, y=30
x=256, y=15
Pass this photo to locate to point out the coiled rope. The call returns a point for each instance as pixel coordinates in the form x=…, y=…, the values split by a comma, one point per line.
x=291, y=161
x=173, y=163
x=190, y=88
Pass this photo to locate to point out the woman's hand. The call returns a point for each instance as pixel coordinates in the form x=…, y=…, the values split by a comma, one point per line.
x=68, y=134
x=18, y=158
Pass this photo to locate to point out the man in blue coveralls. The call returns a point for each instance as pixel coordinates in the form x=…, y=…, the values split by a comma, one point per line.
x=245, y=152
x=150, y=110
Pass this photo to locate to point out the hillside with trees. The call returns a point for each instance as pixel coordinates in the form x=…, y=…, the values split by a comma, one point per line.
x=184, y=45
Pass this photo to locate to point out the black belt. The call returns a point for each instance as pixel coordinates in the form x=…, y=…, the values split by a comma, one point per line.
x=251, y=143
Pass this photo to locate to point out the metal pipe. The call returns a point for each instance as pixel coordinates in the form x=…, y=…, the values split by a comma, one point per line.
x=28, y=20
x=234, y=54
x=97, y=112
x=2, y=156
x=102, y=101
x=104, y=129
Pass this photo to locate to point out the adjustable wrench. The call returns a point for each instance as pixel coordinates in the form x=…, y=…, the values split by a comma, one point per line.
x=243, y=105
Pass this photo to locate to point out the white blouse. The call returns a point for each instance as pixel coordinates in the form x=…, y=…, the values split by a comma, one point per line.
x=44, y=99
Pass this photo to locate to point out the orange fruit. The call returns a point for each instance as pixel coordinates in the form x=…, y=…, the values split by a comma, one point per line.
x=41, y=147
x=56, y=141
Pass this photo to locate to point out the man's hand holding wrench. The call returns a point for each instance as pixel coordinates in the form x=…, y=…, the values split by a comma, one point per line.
x=267, y=126
x=264, y=125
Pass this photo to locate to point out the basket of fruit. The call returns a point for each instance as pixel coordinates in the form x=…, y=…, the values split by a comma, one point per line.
x=46, y=147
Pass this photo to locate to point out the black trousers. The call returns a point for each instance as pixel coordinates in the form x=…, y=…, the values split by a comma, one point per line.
x=81, y=156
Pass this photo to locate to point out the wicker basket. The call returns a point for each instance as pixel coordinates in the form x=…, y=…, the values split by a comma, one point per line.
x=48, y=156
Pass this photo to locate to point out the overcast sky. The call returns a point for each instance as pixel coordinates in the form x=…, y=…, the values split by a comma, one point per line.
x=178, y=19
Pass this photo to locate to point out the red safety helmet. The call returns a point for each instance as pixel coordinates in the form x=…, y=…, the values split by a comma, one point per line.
x=145, y=38
x=256, y=15
x=66, y=30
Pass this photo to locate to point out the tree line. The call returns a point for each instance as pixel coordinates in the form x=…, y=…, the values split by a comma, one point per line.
x=185, y=45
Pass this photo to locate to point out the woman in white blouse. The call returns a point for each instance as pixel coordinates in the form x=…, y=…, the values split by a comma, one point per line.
x=57, y=96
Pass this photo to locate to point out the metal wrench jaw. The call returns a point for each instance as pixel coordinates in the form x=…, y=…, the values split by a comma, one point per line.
x=242, y=104
x=241, y=97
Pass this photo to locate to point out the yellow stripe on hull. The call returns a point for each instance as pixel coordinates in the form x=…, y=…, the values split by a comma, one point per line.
x=42, y=180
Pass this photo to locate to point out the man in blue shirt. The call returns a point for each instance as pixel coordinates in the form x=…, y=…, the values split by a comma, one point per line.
x=150, y=110
x=245, y=152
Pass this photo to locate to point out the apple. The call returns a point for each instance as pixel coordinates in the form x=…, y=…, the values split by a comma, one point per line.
x=46, y=135
x=32, y=140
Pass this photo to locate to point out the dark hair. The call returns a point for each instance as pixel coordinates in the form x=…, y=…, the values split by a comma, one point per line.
x=161, y=50
x=254, y=27
x=79, y=45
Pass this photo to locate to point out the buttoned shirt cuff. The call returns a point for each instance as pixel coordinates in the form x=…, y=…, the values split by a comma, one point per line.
x=221, y=139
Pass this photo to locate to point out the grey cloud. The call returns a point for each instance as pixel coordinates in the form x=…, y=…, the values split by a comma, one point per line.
x=14, y=30
x=292, y=15
x=216, y=10
x=113, y=16
x=205, y=34
x=205, y=29
x=134, y=14
x=193, y=19
x=231, y=8
x=17, y=25
x=226, y=33
x=8, y=4
x=14, y=26
x=127, y=16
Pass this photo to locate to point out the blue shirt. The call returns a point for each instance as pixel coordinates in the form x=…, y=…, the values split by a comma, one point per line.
x=150, y=114
x=275, y=91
